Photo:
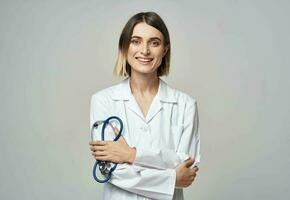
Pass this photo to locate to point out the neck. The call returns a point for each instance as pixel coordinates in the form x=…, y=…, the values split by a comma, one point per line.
x=141, y=84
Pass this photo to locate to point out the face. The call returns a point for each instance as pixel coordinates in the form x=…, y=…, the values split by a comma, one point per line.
x=146, y=49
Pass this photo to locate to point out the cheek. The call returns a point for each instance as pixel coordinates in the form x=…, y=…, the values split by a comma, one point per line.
x=158, y=62
x=159, y=53
x=132, y=50
x=130, y=54
x=159, y=56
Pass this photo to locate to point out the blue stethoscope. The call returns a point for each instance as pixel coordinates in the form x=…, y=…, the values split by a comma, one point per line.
x=106, y=168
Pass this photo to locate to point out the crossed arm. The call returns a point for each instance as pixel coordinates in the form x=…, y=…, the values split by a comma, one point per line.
x=120, y=152
x=137, y=167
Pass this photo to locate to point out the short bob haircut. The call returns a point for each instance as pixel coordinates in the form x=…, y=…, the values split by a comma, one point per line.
x=122, y=67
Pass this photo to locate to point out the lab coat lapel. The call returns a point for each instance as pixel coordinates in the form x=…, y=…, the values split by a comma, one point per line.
x=164, y=95
x=155, y=106
x=133, y=106
x=154, y=109
x=123, y=93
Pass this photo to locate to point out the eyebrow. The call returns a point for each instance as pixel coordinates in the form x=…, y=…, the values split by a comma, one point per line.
x=153, y=38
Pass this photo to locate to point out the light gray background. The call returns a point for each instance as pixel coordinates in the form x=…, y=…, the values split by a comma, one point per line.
x=231, y=55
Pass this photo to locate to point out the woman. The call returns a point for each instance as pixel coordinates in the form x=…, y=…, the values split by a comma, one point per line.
x=160, y=144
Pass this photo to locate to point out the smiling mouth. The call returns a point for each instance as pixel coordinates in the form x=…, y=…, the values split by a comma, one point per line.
x=144, y=60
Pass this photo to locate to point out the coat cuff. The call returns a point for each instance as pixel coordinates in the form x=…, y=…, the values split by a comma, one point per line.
x=172, y=181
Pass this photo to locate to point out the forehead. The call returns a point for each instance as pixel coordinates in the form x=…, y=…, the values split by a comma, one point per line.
x=146, y=31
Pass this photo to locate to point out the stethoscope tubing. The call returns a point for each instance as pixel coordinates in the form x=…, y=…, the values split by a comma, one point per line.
x=98, y=162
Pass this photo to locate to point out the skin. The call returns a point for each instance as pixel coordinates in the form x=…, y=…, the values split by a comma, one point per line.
x=145, y=54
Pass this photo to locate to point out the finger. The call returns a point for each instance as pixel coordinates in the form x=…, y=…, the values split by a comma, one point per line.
x=97, y=142
x=188, y=183
x=93, y=142
x=100, y=142
x=97, y=148
x=189, y=162
x=195, y=168
x=191, y=178
x=103, y=158
x=192, y=172
x=99, y=153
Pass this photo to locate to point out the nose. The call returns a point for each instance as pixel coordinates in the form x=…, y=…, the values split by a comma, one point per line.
x=145, y=49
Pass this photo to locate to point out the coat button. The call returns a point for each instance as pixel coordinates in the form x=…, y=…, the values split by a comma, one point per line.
x=144, y=128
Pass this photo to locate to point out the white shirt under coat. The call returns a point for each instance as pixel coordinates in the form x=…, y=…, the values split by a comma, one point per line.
x=168, y=135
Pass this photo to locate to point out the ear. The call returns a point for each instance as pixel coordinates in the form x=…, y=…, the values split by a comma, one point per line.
x=165, y=50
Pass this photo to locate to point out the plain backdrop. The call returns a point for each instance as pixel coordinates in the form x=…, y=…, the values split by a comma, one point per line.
x=230, y=55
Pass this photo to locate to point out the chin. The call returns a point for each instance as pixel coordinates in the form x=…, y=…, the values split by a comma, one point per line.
x=144, y=71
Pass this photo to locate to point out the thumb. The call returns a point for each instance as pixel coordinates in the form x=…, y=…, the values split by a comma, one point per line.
x=189, y=162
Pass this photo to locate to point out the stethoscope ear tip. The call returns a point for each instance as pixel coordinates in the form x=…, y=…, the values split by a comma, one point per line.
x=97, y=123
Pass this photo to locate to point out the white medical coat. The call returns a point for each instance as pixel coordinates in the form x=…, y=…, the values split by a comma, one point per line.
x=168, y=135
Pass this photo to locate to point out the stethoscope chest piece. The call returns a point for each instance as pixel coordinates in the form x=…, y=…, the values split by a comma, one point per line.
x=104, y=167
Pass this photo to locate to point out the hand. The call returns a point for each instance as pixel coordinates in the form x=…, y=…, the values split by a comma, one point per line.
x=184, y=174
x=115, y=151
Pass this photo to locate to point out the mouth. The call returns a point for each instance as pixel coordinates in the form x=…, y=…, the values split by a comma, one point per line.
x=144, y=60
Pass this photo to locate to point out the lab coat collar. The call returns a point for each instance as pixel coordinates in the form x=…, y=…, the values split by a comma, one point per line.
x=123, y=91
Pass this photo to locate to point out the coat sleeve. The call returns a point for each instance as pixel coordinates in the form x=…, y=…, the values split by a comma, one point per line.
x=188, y=146
x=151, y=183
x=148, y=182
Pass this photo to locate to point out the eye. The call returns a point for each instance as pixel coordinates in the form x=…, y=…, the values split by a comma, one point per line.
x=135, y=42
x=155, y=43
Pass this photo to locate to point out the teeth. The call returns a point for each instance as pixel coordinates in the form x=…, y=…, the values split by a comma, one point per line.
x=144, y=59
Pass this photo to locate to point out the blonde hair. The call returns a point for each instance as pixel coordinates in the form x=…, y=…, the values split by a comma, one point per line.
x=122, y=67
